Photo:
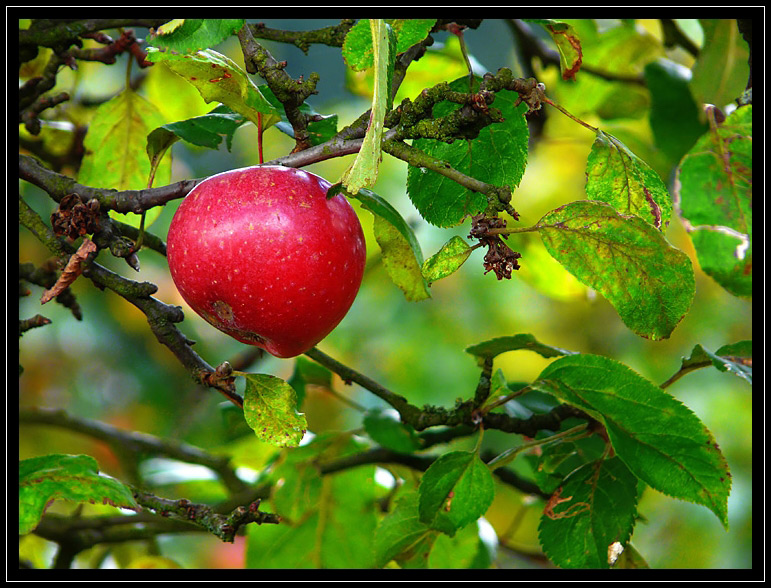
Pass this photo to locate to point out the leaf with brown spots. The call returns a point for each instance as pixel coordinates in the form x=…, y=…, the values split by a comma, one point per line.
x=617, y=176
x=270, y=410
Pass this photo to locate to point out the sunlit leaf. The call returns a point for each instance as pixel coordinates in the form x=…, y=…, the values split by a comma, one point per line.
x=399, y=260
x=624, y=258
x=617, y=176
x=115, y=154
x=439, y=64
x=270, y=410
x=402, y=257
x=364, y=169
x=358, y=50
x=447, y=260
x=568, y=45
x=219, y=79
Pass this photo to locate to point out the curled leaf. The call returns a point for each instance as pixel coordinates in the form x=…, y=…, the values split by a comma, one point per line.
x=71, y=271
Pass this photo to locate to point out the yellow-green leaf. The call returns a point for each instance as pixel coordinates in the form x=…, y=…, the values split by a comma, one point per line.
x=270, y=410
x=363, y=172
x=115, y=155
x=219, y=79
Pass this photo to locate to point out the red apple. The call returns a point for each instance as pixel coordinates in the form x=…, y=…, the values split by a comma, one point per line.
x=262, y=255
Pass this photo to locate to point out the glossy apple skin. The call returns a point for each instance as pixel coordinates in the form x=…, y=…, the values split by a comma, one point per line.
x=261, y=254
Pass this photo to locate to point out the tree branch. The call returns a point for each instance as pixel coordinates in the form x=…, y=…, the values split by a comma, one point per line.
x=333, y=36
x=160, y=316
x=136, y=443
x=137, y=201
x=462, y=415
x=61, y=34
x=224, y=526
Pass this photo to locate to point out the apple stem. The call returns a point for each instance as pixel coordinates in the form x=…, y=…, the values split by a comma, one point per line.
x=259, y=135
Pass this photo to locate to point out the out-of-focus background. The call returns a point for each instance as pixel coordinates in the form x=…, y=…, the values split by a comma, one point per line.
x=110, y=367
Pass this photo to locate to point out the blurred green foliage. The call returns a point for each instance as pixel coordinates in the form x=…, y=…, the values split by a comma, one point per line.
x=111, y=368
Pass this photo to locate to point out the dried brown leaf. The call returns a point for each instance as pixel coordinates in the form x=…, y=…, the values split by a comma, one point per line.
x=71, y=271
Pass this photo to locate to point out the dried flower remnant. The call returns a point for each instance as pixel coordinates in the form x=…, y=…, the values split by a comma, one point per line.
x=73, y=218
x=499, y=258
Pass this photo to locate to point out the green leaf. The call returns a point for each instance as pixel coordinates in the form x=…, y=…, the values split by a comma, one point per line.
x=296, y=477
x=628, y=261
x=497, y=156
x=617, y=176
x=545, y=274
x=721, y=70
x=713, y=194
x=385, y=429
x=410, y=31
x=65, y=477
x=402, y=257
x=735, y=358
x=358, y=50
x=401, y=536
x=270, y=410
x=659, y=439
x=219, y=79
x=494, y=347
x=454, y=491
x=447, y=260
x=674, y=116
x=364, y=170
x=204, y=131
x=595, y=507
x=193, y=34
x=326, y=521
x=115, y=156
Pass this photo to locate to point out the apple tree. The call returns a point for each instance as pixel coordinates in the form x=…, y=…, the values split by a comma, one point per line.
x=402, y=293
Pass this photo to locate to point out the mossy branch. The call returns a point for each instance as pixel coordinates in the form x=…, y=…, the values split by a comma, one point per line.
x=463, y=415
x=291, y=93
x=137, y=201
x=332, y=36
